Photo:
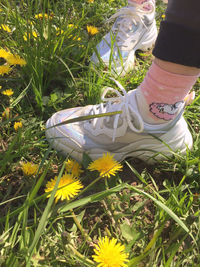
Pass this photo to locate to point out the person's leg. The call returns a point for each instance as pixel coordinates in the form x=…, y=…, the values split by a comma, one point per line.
x=177, y=63
x=178, y=40
x=153, y=110
x=134, y=28
x=177, y=68
x=161, y=95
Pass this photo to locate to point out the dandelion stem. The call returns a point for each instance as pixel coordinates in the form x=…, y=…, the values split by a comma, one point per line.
x=106, y=183
x=90, y=185
x=85, y=235
x=109, y=212
x=78, y=254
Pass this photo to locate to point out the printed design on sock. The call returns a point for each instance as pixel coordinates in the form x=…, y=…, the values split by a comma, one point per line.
x=165, y=111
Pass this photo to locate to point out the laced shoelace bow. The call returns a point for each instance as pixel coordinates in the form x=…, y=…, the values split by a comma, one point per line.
x=129, y=15
x=112, y=104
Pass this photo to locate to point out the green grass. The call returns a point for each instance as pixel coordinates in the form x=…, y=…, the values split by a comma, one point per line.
x=152, y=210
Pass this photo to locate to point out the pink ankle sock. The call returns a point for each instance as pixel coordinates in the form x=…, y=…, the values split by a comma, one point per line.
x=146, y=6
x=161, y=95
x=138, y=1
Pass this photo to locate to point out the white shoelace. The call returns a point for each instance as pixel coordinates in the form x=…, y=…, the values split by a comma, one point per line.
x=119, y=103
x=129, y=15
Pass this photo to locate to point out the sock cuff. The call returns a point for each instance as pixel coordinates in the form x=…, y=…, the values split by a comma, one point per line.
x=169, y=78
x=140, y=2
x=162, y=93
x=136, y=1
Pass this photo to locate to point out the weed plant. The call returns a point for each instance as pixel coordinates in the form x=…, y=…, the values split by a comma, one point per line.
x=152, y=210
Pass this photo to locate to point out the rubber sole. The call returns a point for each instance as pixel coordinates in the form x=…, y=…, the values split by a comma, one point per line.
x=149, y=148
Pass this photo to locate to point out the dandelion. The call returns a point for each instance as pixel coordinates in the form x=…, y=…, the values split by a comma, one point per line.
x=92, y=30
x=71, y=25
x=45, y=16
x=6, y=113
x=17, y=125
x=109, y=253
x=3, y=53
x=73, y=167
x=163, y=16
x=68, y=187
x=5, y=28
x=106, y=165
x=30, y=35
x=29, y=168
x=59, y=31
x=8, y=92
x=41, y=16
x=76, y=38
x=91, y=1
x=5, y=69
x=15, y=60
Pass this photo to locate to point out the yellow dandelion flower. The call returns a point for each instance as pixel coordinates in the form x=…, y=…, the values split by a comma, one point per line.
x=73, y=167
x=8, y=92
x=163, y=16
x=51, y=15
x=68, y=187
x=106, y=165
x=91, y=1
x=92, y=30
x=75, y=38
x=5, y=69
x=17, y=125
x=59, y=31
x=45, y=16
x=6, y=113
x=25, y=37
x=109, y=253
x=15, y=60
x=3, y=53
x=39, y=16
x=29, y=35
x=1, y=9
x=29, y=168
x=71, y=25
x=5, y=28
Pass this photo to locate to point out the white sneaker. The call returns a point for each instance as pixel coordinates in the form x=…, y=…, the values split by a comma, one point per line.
x=124, y=135
x=134, y=28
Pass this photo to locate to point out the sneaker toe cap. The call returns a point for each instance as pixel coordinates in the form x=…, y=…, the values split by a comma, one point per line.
x=68, y=138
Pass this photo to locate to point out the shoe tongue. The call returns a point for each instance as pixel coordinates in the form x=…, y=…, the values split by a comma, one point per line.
x=132, y=98
x=132, y=101
x=110, y=123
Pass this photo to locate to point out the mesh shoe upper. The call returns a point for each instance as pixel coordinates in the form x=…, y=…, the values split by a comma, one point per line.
x=123, y=134
x=134, y=28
